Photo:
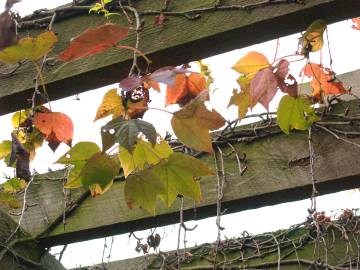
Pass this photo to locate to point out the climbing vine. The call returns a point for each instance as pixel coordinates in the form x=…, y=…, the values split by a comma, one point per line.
x=154, y=167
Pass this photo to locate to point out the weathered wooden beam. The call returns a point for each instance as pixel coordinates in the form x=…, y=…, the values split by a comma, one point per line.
x=291, y=249
x=179, y=41
x=277, y=172
x=17, y=253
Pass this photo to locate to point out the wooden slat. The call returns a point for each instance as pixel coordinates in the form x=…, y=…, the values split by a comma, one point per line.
x=269, y=180
x=249, y=252
x=181, y=40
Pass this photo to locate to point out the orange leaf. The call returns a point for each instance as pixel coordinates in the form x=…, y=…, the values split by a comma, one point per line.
x=93, y=41
x=323, y=80
x=356, y=22
x=196, y=83
x=178, y=91
x=185, y=88
x=56, y=127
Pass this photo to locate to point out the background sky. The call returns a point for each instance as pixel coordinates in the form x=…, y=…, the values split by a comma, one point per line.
x=344, y=47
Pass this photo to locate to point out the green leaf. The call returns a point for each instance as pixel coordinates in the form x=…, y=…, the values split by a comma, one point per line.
x=295, y=113
x=14, y=185
x=100, y=169
x=126, y=133
x=143, y=154
x=166, y=179
x=78, y=156
x=5, y=149
x=9, y=200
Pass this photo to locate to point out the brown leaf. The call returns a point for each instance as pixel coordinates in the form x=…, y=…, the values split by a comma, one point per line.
x=8, y=35
x=22, y=158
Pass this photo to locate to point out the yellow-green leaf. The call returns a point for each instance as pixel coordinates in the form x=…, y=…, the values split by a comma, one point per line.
x=312, y=40
x=5, y=149
x=9, y=200
x=251, y=63
x=143, y=154
x=192, y=124
x=100, y=170
x=77, y=156
x=166, y=180
x=111, y=105
x=295, y=113
x=29, y=48
x=19, y=118
x=14, y=185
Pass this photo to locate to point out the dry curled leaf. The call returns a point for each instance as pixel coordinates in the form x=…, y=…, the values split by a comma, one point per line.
x=22, y=158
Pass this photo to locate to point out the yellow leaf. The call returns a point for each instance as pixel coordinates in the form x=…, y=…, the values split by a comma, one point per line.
x=29, y=48
x=251, y=63
x=242, y=99
x=111, y=105
x=312, y=40
x=19, y=117
x=143, y=154
x=14, y=185
x=192, y=124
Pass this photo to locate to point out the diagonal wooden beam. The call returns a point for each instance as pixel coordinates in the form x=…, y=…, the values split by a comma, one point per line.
x=179, y=41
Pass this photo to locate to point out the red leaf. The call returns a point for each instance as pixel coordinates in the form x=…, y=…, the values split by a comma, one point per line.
x=160, y=19
x=286, y=82
x=167, y=75
x=130, y=83
x=356, y=22
x=93, y=41
x=323, y=81
x=56, y=127
x=263, y=87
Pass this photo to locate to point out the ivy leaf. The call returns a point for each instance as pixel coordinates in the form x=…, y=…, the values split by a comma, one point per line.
x=56, y=127
x=100, y=170
x=192, y=124
x=185, y=88
x=312, y=40
x=111, y=105
x=144, y=154
x=93, y=41
x=356, y=23
x=14, y=185
x=251, y=63
x=166, y=179
x=323, y=80
x=5, y=149
x=22, y=158
x=9, y=200
x=78, y=156
x=29, y=48
x=295, y=113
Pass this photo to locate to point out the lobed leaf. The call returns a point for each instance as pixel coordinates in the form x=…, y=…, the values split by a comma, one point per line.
x=192, y=124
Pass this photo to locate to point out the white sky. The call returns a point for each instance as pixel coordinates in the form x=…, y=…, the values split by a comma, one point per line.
x=344, y=47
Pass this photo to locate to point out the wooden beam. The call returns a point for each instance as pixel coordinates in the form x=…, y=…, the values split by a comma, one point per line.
x=17, y=253
x=276, y=173
x=251, y=252
x=179, y=41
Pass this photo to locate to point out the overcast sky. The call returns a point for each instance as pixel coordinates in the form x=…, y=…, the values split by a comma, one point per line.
x=344, y=46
